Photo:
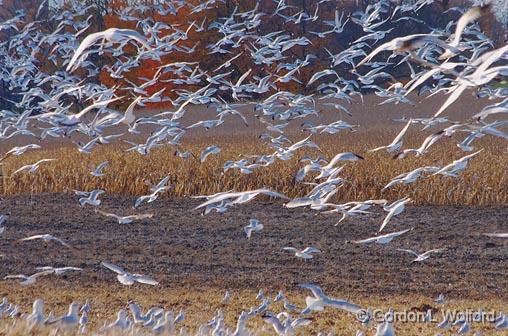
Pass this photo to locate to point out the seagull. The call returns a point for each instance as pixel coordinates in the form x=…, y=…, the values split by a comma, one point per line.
x=254, y=226
x=19, y=150
x=156, y=190
x=456, y=166
x=440, y=299
x=410, y=177
x=304, y=254
x=407, y=43
x=83, y=321
x=502, y=323
x=124, y=219
x=58, y=270
x=28, y=279
x=92, y=198
x=127, y=278
x=464, y=329
x=287, y=326
x=471, y=15
x=86, y=307
x=496, y=235
x=47, y=238
x=97, y=172
x=111, y=35
x=37, y=315
x=32, y=167
x=423, y=256
x=384, y=239
x=397, y=142
x=320, y=300
x=237, y=197
x=69, y=320
x=208, y=151
x=3, y=219
x=445, y=323
x=394, y=209
x=227, y=298
x=138, y=316
x=386, y=328
x=121, y=323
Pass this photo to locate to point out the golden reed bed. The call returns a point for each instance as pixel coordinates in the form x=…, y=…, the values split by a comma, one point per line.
x=484, y=182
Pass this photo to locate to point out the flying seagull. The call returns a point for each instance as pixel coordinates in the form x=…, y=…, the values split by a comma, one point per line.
x=127, y=278
x=124, y=219
x=254, y=226
x=422, y=256
x=305, y=254
x=47, y=238
x=111, y=35
x=384, y=239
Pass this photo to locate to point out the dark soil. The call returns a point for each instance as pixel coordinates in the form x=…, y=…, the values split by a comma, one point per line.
x=181, y=248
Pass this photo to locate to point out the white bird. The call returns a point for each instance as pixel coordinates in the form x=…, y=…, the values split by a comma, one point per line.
x=472, y=14
x=386, y=328
x=395, y=145
x=166, y=325
x=37, y=316
x=254, y=226
x=445, y=323
x=32, y=167
x=138, y=316
x=69, y=320
x=406, y=44
x=239, y=197
x=19, y=150
x=440, y=299
x=226, y=299
x=305, y=254
x=111, y=35
x=97, y=172
x=384, y=239
x=496, y=235
x=129, y=117
x=27, y=279
x=83, y=321
x=127, y=278
x=124, y=219
x=320, y=300
x=261, y=294
x=92, y=199
x=287, y=326
x=58, y=270
x=422, y=256
x=208, y=151
x=122, y=322
x=410, y=177
x=156, y=190
x=456, y=166
x=46, y=238
x=87, y=306
x=394, y=209
x=502, y=323
x=464, y=328
x=3, y=219
x=330, y=169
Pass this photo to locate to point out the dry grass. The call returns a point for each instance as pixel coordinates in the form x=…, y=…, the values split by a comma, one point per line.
x=200, y=305
x=484, y=182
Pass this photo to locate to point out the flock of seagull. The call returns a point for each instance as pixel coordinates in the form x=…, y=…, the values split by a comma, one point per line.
x=70, y=100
